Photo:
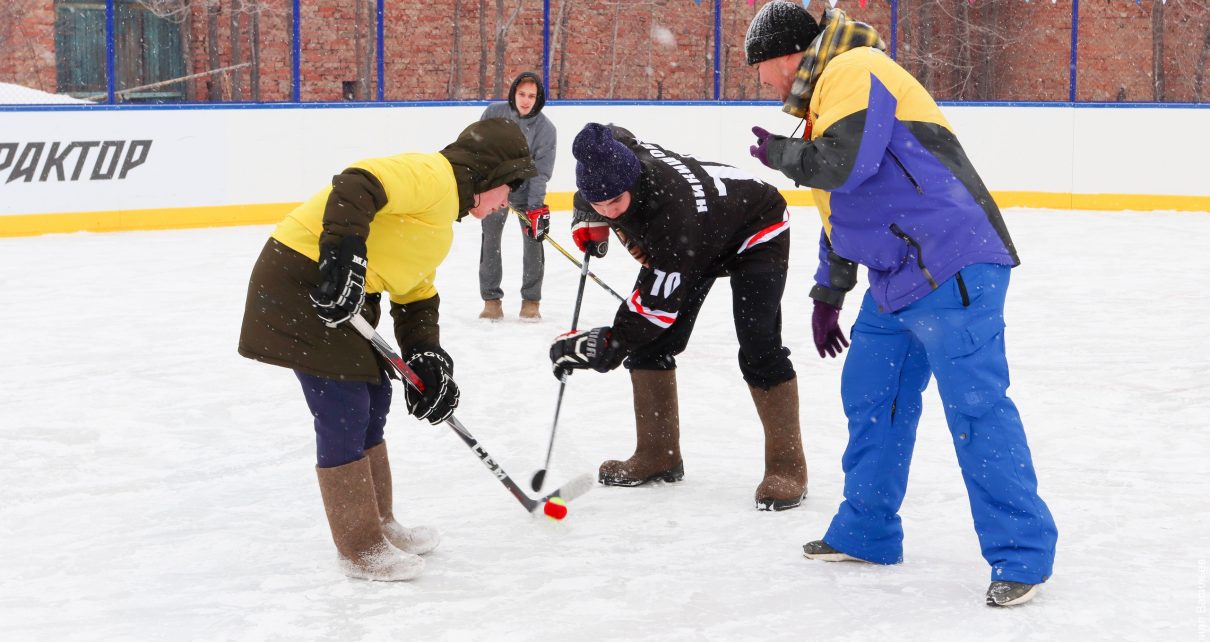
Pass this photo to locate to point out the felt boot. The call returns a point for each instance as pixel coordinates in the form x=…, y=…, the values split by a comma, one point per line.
x=364, y=553
x=657, y=454
x=418, y=540
x=785, y=482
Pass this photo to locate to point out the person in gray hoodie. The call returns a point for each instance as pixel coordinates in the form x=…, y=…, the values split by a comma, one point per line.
x=524, y=106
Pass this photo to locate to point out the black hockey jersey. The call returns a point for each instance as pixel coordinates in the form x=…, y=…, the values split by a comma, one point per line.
x=689, y=219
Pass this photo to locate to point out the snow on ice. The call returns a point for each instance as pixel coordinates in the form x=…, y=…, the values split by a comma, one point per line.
x=159, y=486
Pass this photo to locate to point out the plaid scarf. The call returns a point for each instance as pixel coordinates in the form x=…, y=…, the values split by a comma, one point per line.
x=838, y=35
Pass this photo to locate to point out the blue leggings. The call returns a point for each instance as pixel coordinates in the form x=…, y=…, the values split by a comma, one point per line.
x=955, y=333
x=349, y=416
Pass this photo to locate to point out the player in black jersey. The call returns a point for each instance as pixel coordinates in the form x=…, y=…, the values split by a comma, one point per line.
x=688, y=222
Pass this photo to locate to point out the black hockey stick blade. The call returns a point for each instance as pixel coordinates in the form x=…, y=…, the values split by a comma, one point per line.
x=536, y=482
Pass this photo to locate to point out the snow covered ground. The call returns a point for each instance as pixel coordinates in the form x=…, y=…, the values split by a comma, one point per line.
x=158, y=486
x=11, y=94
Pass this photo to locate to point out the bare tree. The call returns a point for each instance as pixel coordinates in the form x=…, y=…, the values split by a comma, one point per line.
x=924, y=35
x=175, y=10
x=1157, y=50
x=960, y=71
x=951, y=46
x=708, y=90
x=187, y=46
x=233, y=38
x=482, y=49
x=214, y=90
x=365, y=21
x=1199, y=76
x=564, y=35
x=254, y=54
x=613, y=48
x=502, y=26
x=454, y=87
x=986, y=79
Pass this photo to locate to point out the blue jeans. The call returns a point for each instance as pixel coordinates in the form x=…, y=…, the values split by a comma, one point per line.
x=349, y=416
x=955, y=333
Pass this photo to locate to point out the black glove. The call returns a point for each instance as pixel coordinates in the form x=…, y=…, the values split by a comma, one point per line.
x=582, y=350
x=440, y=396
x=537, y=222
x=342, y=280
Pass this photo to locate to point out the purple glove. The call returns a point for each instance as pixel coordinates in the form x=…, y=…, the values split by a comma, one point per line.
x=760, y=151
x=825, y=325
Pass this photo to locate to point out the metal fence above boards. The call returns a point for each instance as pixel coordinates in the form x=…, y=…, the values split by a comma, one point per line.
x=256, y=51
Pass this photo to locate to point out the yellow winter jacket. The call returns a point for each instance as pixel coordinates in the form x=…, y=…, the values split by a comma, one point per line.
x=409, y=236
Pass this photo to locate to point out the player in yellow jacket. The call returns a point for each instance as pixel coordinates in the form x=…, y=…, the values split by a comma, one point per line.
x=384, y=225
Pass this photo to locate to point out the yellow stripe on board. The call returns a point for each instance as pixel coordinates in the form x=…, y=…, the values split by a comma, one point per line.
x=156, y=219
x=265, y=214
x=1103, y=202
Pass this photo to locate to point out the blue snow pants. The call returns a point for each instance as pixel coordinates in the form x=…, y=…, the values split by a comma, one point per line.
x=350, y=416
x=955, y=333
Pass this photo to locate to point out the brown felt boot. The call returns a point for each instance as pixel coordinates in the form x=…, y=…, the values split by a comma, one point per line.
x=418, y=540
x=493, y=310
x=348, y=494
x=785, y=482
x=657, y=455
x=529, y=311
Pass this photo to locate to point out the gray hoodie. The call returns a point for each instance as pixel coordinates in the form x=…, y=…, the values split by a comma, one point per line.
x=539, y=133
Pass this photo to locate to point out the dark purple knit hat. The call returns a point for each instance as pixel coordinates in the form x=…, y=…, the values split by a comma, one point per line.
x=604, y=167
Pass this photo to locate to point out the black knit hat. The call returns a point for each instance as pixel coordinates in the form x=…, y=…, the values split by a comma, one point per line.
x=779, y=28
x=605, y=168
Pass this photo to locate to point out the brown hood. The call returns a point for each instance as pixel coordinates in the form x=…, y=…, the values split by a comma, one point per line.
x=487, y=154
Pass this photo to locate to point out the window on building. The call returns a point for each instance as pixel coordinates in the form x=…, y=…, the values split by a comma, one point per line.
x=148, y=51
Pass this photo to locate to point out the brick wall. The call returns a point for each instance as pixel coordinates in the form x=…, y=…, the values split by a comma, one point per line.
x=646, y=49
x=27, y=44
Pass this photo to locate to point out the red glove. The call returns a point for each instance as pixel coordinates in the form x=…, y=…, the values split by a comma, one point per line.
x=825, y=325
x=538, y=223
x=591, y=237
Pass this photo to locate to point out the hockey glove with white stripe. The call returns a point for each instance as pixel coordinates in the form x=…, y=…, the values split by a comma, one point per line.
x=440, y=396
x=342, y=280
x=591, y=237
x=537, y=223
x=583, y=350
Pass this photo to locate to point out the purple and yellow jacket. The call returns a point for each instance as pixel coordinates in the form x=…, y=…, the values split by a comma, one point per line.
x=894, y=188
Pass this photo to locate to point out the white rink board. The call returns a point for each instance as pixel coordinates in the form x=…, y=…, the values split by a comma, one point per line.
x=204, y=157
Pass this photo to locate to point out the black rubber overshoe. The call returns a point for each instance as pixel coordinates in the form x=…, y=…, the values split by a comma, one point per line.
x=1010, y=593
x=820, y=550
x=768, y=503
x=676, y=474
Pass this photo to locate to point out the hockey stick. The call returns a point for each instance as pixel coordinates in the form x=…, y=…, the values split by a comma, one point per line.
x=573, y=259
x=540, y=476
x=568, y=491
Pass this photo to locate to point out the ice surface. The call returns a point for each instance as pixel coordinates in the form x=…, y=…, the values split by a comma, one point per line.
x=159, y=486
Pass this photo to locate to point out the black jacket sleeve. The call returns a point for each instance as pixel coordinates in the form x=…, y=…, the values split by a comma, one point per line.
x=356, y=197
x=417, y=324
